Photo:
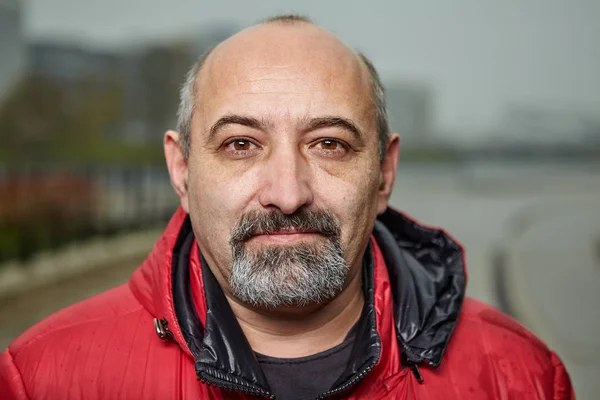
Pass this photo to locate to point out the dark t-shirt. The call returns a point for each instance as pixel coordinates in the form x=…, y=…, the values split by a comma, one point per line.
x=306, y=377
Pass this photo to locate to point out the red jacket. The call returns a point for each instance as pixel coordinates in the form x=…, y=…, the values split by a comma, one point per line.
x=169, y=334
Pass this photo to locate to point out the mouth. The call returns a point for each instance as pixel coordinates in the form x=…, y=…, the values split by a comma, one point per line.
x=284, y=236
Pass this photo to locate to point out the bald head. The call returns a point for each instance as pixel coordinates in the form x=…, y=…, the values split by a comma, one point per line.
x=283, y=50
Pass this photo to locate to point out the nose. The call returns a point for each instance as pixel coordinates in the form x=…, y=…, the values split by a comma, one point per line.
x=286, y=182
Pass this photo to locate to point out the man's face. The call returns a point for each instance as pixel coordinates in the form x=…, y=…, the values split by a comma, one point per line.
x=284, y=130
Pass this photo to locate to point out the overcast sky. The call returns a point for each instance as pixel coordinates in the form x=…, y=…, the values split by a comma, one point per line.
x=478, y=55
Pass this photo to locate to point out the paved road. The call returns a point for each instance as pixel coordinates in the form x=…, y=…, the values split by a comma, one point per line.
x=551, y=269
x=20, y=312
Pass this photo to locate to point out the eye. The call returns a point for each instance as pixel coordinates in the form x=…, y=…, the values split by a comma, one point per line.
x=241, y=144
x=331, y=147
x=329, y=144
x=240, y=147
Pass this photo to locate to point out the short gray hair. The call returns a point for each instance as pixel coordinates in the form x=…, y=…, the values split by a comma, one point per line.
x=187, y=103
x=187, y=98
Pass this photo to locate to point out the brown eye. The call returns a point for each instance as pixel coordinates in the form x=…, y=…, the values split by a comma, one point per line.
x=329, y=145
x=239, y=148
x=241, y=145
x=331, y=148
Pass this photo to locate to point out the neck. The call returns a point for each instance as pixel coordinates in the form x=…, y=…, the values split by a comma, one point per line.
x=299, y=332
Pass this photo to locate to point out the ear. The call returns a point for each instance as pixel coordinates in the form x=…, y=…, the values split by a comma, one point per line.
x=178, y=167
x=387, y=176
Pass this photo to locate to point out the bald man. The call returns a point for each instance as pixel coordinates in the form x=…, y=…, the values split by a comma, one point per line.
x=284, y=274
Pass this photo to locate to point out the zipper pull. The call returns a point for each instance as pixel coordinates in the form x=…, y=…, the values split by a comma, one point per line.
x=160, y=325
x=415, y=370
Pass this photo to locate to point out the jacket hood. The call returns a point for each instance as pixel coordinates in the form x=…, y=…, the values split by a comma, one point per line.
x=427, y=278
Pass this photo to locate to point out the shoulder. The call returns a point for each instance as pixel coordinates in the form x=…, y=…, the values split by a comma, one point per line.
x=82, y=331
x=491, y=353
x=493, y=349
x=480, y=321
x=98, y=312
x=69, y=348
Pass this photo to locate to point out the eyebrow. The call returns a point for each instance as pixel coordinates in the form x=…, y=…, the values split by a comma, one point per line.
x=235, y=120
x=308, y=124
x=333, y=122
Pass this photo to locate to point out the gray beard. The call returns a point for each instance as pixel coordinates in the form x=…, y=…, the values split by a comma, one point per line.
x=296, y=276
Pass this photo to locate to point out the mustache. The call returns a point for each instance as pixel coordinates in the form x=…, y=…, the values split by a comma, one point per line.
x=268, y=222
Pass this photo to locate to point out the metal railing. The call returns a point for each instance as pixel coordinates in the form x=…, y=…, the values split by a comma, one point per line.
x=48, y=207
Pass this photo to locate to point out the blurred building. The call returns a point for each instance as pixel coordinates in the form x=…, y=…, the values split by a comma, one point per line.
x=81, y=89
x=153, y=76
x=410, y=108
x=12, y=45
x=144, y=79
x=71, y=63
x=546, y=127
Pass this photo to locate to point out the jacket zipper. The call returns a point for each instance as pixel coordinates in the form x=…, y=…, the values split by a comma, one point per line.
x=218, y=383
x=414, y=367
x=256, y=391
x=347, y=385
x=415, y=370
x=412, y=362
x=163, y=332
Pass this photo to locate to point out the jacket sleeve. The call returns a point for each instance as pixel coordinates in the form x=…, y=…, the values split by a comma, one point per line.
x=11, y=383
x=563, y=390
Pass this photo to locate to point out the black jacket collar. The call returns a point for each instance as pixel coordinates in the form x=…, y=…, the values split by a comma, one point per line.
x=428, y=278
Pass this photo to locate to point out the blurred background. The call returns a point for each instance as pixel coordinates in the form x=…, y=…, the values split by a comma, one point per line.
x=497, y=105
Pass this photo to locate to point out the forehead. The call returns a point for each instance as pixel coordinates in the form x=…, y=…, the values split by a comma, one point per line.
x=299, y=69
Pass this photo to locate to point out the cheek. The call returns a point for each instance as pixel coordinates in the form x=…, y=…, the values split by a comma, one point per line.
x=217, y=200
x=353, y=199
x=219, y=191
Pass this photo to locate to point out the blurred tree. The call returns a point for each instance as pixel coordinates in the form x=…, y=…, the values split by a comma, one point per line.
x=76, y=110
x=44, y=120
x=42, y=211
x=31, y=116
x=99, y=109
x=161, y=70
